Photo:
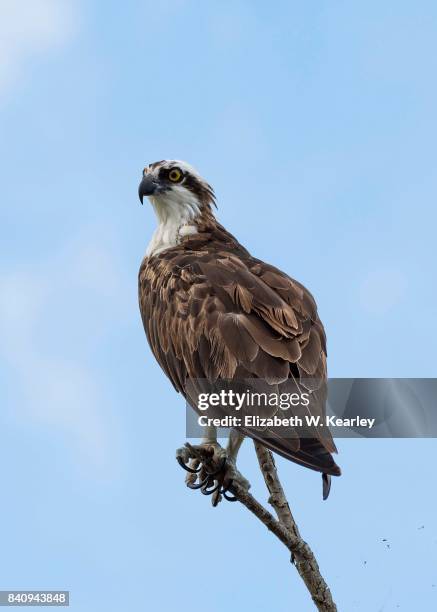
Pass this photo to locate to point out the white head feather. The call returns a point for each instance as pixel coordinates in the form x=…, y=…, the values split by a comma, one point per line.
x=176, y=207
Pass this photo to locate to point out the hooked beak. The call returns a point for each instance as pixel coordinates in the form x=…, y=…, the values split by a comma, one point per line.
x=147, y=187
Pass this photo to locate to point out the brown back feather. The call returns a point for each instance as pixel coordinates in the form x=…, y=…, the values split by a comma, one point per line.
x=212, y=311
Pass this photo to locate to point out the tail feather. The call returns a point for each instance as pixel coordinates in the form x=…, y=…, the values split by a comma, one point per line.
x=326, y=479
x=311, y=454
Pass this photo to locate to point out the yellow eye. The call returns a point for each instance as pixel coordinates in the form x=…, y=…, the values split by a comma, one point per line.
x=175, y=175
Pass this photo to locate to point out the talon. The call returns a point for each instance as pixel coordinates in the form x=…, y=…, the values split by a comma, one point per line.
x=185, y=466
x=216, y=499
x=216, y=483
x=230, y=498
x=206, y=491
x=199, y=485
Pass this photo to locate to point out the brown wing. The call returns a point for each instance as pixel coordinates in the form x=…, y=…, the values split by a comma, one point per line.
x=216, y=314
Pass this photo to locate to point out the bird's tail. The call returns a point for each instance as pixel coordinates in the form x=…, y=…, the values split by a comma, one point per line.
x=311, y=454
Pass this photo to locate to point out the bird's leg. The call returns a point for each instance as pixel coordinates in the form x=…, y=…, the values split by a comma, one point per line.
x=209, y=435
x=235, y=441
x=212, y=468
x=209, y=439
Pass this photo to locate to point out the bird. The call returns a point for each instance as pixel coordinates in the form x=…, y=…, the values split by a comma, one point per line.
x=214, y=314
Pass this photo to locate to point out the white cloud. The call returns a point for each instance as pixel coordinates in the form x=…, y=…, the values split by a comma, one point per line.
x=29, y=27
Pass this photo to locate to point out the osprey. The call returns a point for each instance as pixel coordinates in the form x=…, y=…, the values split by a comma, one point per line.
x=212, y=312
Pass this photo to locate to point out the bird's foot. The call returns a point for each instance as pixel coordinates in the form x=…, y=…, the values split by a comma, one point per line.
x=211, y=470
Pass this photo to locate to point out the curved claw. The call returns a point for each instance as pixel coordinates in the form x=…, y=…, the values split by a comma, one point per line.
x=199, y=485
x=216, y=498
x=209, y=485
x=219, y=469
x=206, y=491
x=185, y=466
x=225, y=490
x=230, y=498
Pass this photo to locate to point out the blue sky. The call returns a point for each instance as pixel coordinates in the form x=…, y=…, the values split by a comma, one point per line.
x=316, y=124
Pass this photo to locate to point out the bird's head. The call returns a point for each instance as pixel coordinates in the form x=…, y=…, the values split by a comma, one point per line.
x=175, y=188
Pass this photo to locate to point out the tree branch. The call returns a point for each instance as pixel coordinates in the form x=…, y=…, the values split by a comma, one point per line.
x=302, y=555
x=285, y=528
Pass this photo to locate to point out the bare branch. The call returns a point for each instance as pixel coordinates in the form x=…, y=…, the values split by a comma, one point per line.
x=302, y=555
x=285, y=529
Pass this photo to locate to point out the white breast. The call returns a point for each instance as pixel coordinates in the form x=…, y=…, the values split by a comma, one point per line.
x=176, y=212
